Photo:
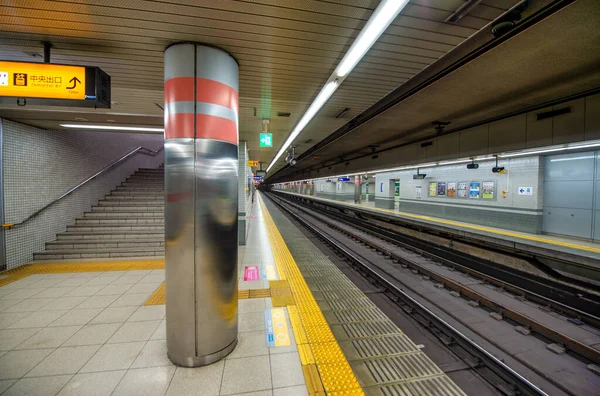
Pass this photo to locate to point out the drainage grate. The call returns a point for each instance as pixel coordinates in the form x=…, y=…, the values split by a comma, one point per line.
x=376, y=347
x=364, y=330
x=392, y=369
x=436, y=386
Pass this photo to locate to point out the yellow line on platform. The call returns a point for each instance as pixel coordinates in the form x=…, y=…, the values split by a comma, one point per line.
x=319, y=351
x=464, y=225
x=159, y=297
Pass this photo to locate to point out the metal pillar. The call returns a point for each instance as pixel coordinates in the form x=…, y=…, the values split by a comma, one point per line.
x=201, y=182
x=357, y=187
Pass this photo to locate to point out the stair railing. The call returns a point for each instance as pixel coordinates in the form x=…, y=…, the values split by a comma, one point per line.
x=140, y=149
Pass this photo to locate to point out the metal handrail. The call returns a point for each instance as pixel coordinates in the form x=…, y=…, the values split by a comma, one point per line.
x=140, y=149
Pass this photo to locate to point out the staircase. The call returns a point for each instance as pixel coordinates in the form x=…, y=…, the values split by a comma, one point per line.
x=129, y=222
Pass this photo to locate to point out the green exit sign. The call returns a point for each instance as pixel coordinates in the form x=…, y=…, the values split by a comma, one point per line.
x=266, y=140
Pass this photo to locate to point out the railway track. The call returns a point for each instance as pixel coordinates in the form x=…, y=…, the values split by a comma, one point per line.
x=438, y=266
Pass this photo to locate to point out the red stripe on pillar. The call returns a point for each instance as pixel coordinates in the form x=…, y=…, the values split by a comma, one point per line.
x=181, y=89
x=179, y=125
x=211, y=91
x=213, y=127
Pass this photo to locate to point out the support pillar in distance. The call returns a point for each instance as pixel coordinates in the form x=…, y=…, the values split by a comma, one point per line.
x=357, y=188
x=201, y=182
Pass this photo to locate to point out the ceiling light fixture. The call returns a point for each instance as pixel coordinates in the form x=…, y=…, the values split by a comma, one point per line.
x=381, y=18
x=113, y=127
x=379, y=21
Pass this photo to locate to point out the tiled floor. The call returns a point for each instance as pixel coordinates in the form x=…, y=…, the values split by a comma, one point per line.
x=89, y=334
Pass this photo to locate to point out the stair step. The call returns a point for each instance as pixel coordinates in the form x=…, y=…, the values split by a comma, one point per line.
x=115, y=193
x=116, y=228
x=128, y=209
x=102, y=244
x=135, y=197
x=121, y=214
x=97, y=253
x=109, y=235
x=121, y=221
x=130, y=202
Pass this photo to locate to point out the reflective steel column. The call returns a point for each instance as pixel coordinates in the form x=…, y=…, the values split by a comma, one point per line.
x=357, y=188
x=201, y=177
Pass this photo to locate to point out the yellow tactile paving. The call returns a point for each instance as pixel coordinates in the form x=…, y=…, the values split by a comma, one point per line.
x=102, y=266
x=311, y=330
x=160, y=298
x=469, y=226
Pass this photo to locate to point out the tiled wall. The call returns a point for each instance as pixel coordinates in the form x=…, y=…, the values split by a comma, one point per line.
x=40, y=165
x=244, y=198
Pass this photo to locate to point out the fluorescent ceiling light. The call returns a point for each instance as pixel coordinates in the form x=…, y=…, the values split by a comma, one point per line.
x=381, y=18
x=113, y=127
x=455, y=162
x=571, y=159
x=315, y=106
x=387, y=11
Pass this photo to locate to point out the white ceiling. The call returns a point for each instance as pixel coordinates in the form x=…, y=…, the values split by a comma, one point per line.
x=286, y=49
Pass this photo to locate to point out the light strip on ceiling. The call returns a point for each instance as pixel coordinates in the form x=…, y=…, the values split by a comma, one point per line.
x=113, y=127
x=379, y=21
x=551, y=150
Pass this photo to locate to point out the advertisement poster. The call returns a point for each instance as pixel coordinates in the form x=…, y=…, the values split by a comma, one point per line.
x=487, y=190
x=452, y=189
x=432, y=189
x=418, y=192
x=441, y=189
x=462, y=194
x=474, y=190
x=462, y=190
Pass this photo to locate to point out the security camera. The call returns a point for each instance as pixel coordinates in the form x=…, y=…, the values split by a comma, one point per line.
x=292, y=162
x=498, y=169
x=419, y=176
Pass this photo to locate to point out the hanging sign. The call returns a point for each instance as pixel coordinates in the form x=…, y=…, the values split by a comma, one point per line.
x=266, y=140
x=343, y=179
x=54, y=85
x=252, y=163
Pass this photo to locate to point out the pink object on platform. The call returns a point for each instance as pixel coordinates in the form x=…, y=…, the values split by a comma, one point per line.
x=251, y=273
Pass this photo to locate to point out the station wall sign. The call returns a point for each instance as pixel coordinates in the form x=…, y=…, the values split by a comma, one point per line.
x=343, y=179
x=525, y=190
x=51, y=84
x=252, y=163
x=258, y=178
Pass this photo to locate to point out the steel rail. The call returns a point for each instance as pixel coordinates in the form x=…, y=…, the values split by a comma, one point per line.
x=571, y=344
x=494, y=364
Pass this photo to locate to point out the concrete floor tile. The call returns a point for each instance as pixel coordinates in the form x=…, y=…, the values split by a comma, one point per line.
x=102, y=280
x=113, y=357
x=77, y=317
x=114, y=315
x=154, y=354
x=11, y=338
x=200, y=381
x=73, y=282
x=251, y=305
x=54, y=292
x=113, y=289
x=92, y=334
x=38, y=319
x=16, y=364
x=49, y=337
x=252, y=321
x=286, y=370
x=85, y=290
x=246, y=375
x=130, y=300
x=5, y=304
x=93, y=384
x=30, y=305
x=291, y=391
x=48, y=282
x=152, y=381
x=134, y=331
x=161, y=331
x=150, y=312
x=64, y=360
x=8, y=319
x=153, y=278
x=128, y=279
x=24, y=293
x=252, y=343
x=5, y=384
x=62, y=303
x=143, y=288
x=259, y=393
x=97, y=302
x=40, y=386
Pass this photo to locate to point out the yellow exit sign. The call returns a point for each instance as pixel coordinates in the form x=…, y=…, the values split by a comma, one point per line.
x=252, y=163
x=42, y=80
